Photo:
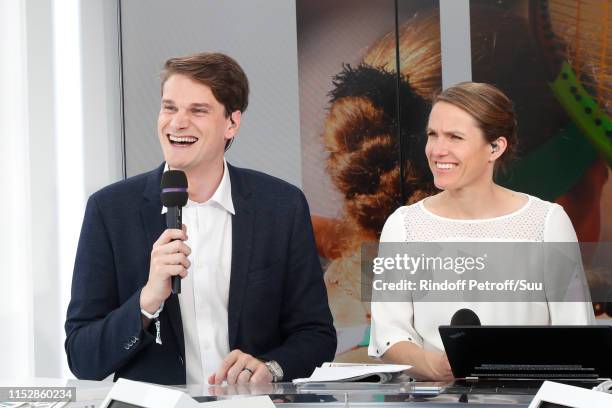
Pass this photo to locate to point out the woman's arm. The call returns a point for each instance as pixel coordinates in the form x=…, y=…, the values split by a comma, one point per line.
x=559, y=229
x=427, y=365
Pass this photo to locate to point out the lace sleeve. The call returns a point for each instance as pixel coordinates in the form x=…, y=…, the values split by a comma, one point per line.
x=392, y=322
x=558, y=226
x=394, y=230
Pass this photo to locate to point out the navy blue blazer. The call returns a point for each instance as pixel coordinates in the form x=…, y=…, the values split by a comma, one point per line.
x=278, y=308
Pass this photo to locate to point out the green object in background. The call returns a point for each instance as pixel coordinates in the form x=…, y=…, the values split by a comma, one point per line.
x=365, y=341
x=584, y=111
x=554, y=167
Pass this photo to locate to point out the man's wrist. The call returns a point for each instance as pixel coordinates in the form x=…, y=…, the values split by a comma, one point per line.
x=153, y=315
x=148, y=305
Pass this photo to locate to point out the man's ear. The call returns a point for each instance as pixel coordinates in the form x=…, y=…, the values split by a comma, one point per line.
x=234, y=124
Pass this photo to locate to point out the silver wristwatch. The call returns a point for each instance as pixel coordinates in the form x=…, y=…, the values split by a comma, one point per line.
x=275, y=369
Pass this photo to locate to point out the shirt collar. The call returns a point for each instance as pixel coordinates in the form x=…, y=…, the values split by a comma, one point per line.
x=221, y=196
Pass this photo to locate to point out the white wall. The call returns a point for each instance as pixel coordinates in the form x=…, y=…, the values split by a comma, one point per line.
x=60, y=142
x=43, y=252
x=16, y=344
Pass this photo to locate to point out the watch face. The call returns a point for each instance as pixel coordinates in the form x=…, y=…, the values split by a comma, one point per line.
x=275, y=369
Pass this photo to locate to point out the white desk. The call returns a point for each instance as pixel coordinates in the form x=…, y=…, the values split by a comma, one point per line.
x=89, y=394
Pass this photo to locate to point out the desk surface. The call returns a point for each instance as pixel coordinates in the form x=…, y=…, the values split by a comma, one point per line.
x=362, y=395
x=414, y=394
x=91, y=393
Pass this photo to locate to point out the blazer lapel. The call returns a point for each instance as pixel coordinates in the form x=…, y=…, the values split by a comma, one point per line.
x=154, y=223
x=242, y=233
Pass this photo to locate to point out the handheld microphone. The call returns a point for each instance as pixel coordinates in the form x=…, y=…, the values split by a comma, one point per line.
x=174, y=197
x=465, y=317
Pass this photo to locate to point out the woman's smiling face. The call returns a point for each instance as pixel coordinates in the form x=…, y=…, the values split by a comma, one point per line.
x=457, y=151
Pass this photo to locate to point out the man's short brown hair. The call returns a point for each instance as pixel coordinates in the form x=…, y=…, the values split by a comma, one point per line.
x=219, y=72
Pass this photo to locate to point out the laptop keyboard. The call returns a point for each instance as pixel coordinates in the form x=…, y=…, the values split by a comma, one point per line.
x=535, y=375
x=510, y=386
x=532, y=367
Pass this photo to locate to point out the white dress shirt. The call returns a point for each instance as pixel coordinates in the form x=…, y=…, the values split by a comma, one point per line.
x=205, y=291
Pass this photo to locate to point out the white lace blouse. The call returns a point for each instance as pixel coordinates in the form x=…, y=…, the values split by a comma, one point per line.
x=417, y=322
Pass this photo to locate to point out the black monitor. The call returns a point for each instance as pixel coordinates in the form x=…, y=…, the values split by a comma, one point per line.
x=529, y=352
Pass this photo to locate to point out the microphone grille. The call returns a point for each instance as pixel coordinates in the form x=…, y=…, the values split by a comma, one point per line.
x=174, y=188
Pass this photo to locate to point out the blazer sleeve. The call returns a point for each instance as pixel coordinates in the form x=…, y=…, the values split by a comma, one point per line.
x=102, y=335
x=306, y=321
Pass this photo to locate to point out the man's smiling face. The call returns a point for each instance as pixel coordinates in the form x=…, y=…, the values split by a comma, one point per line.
x=192, y=125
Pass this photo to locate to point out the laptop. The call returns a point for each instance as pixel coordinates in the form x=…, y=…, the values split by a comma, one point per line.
x=518, y=359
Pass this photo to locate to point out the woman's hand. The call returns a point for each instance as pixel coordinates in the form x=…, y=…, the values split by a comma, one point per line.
x=426, y=365
x=438, y=366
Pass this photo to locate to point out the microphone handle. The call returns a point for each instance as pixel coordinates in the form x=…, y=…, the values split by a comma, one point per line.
x=174, y=220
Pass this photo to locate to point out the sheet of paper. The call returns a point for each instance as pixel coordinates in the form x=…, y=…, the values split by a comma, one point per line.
x=343, y=371
x=262, y=401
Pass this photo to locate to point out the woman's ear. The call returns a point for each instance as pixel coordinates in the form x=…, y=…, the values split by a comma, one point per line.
x=498, y=147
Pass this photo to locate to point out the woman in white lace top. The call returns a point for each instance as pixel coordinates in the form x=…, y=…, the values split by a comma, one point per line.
x=471, y=132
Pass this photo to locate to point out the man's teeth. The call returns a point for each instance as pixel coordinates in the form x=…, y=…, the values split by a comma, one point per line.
x=447, y=166
x=186, y=139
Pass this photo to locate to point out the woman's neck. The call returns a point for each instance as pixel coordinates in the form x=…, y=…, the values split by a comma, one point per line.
x=471, y=202
x=476, y=202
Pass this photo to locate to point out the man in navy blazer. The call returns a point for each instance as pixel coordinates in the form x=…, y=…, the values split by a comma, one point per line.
x=123, y=318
